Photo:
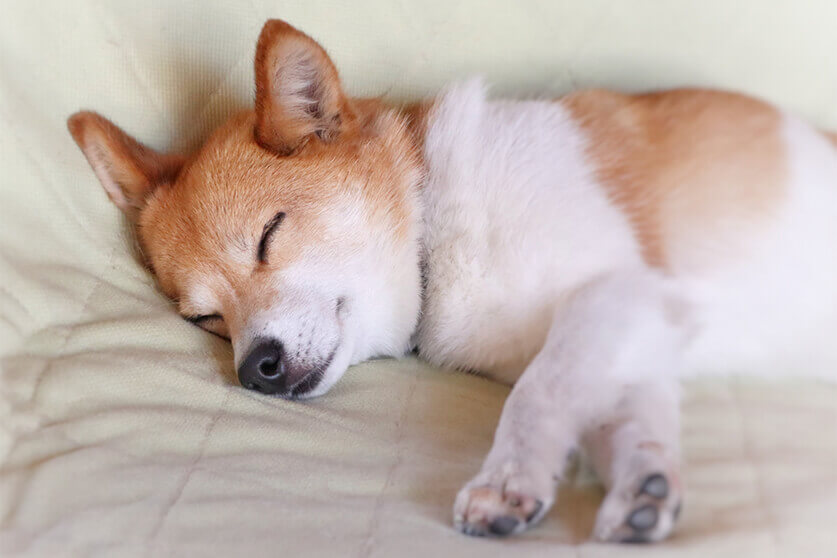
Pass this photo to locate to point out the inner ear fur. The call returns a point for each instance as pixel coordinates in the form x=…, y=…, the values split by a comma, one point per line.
x=128, y=170
x=298, y=93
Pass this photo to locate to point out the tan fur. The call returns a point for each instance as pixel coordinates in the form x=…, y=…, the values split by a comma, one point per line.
x=684, y=161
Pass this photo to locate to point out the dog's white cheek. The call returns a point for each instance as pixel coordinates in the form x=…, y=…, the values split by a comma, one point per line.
x=303, y=319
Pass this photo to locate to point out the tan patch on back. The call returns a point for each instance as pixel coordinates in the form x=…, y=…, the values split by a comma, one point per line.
x=832, y=137
x=418, y=118
x=682, y=162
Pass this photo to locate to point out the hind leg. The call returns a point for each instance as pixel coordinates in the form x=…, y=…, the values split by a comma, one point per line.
x=635, y=452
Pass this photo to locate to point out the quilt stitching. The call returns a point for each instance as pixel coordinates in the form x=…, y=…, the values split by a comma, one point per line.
x=132, y=66
x=732, y=386
x=68, y=333
x=181, y=487
x=369, y=542
x=38, y=166
x=222, y=83
x=17, y=301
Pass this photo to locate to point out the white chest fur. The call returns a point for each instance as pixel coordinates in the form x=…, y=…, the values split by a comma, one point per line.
x=513, y=222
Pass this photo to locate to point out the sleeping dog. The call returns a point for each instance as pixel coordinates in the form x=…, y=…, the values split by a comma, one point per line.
x=591, y=250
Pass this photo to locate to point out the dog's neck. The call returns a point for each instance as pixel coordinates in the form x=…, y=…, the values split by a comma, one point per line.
x=418, y=115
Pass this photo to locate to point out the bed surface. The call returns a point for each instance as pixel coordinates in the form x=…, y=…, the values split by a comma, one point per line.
x=122, y=431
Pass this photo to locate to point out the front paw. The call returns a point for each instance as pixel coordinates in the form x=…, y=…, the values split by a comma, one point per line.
x=503, y=500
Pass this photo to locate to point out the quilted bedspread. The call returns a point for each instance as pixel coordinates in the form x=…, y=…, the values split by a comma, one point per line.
x=122, y=431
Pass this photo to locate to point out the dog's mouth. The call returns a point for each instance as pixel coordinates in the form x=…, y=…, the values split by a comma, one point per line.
x=314, y=385
x=310, y=382
x=307, y=385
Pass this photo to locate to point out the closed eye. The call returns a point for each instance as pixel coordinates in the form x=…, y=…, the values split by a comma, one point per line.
x=213, y=323
x=267, y=233
x=199, y=319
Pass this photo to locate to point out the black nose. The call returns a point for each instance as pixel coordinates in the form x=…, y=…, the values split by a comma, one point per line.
x=264, y=367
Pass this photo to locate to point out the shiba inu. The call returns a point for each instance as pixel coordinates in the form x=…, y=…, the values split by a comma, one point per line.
x=591, y=250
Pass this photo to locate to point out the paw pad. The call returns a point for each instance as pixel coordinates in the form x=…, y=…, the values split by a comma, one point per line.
x=643, y=518
x=655, y=486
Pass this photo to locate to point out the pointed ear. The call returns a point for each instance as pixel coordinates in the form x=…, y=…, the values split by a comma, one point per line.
x=128, y=170
x=298, y=92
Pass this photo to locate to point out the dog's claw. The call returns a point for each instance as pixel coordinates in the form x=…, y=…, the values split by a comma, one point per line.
x=503, y=525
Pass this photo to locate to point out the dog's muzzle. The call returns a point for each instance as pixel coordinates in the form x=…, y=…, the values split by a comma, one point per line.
x=266, y=369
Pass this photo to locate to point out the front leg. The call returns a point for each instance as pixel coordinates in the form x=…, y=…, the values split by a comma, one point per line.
x=615, y=332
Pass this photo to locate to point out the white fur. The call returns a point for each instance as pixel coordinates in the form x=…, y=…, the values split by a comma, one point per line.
x=513, y=222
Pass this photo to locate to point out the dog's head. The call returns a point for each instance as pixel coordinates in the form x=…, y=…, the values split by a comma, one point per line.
x=293, y=231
